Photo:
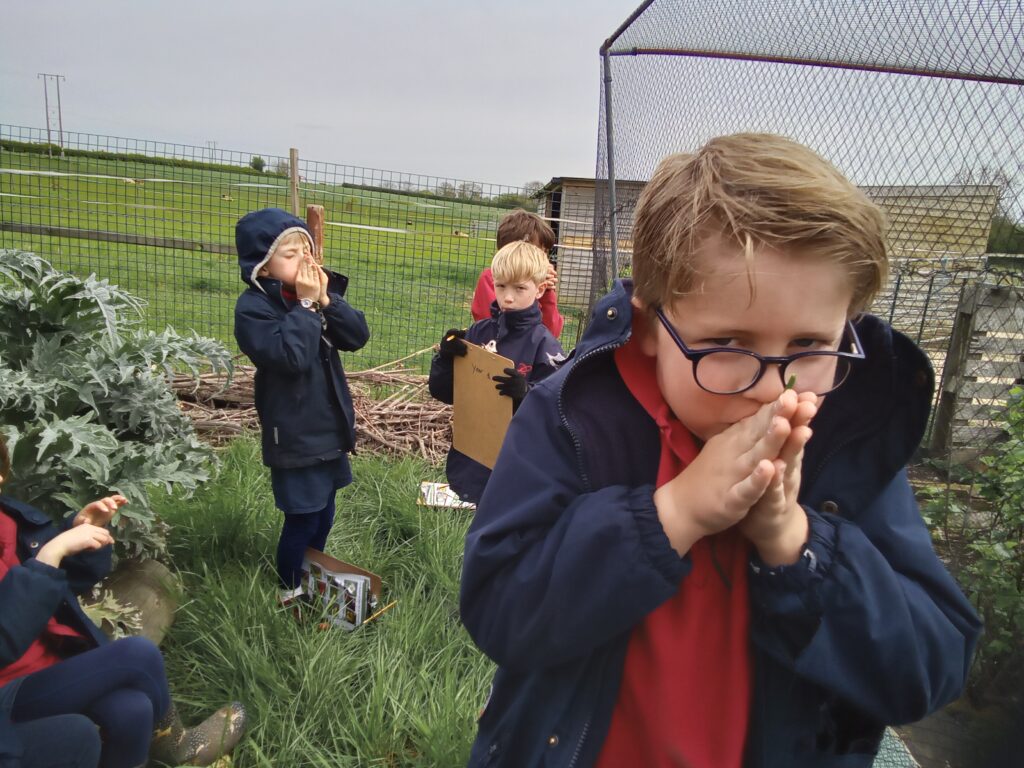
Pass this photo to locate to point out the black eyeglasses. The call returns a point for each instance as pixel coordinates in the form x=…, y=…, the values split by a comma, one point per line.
x=728, y=371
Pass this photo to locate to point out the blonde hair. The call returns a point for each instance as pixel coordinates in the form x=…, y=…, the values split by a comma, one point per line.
x=292, y=236
x=518, y=262
x=754, y=191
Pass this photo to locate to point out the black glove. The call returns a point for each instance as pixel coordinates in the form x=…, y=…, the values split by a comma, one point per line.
x=514, y=385
x=452, y=344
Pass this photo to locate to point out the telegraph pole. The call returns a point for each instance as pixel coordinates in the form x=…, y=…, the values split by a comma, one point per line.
x=60, y=117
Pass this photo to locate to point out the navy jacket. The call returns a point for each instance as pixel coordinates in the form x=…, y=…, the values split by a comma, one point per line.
x=302, y=398
x=519, y=335
x=566, y=555
x=32, y=593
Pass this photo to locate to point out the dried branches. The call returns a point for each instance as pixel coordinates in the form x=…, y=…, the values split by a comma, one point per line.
x=394, y=412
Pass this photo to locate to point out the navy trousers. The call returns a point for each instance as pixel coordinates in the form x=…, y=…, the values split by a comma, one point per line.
x=121, y=687
x=298, y=532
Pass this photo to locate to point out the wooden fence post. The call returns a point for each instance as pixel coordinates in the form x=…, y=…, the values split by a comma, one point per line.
x=293, y=170
x=956, y=358
x=315, y=222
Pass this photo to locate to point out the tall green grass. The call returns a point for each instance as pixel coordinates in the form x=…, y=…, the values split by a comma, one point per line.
x=403, y=690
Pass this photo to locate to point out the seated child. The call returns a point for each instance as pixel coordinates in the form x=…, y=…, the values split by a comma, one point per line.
x=290, y=322
x=514, y=226
x=513, y=330
x=699, y=546
x=68, y=696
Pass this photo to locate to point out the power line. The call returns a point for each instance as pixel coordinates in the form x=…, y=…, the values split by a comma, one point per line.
x=46, y=102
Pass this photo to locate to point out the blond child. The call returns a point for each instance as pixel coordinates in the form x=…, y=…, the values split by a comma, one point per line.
x=513, y=330
x=699, y=546
x=291, y=321
x=515, y=226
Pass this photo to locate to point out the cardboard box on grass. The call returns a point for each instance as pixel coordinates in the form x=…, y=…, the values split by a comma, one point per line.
x=349, y=594
x=480, y=414
x=440, y=495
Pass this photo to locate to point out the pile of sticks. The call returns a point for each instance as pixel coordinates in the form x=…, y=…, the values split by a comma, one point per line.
x=395, y=414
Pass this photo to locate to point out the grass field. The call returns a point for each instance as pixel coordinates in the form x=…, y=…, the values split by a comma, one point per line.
x=412, y=261
x=401, y=691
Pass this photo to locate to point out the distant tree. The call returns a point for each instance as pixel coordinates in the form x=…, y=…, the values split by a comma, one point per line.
x=257, y=163
x=513, y=200
x=1007, y=232
x=1005, y=236
x=282, y=167
x=468, y=190
x=525, y=198
x=446, y=189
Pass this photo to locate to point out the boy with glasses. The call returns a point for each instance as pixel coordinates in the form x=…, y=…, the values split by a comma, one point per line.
x=699, y=546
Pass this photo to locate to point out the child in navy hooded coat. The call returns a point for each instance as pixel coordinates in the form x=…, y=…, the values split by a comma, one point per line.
x=515, y=330
x=291, y=322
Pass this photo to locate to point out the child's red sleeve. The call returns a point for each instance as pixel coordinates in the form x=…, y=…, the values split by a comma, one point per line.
x=549, y=314
x=483, y=296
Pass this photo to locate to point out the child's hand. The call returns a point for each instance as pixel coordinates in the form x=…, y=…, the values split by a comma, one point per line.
x=72, y=541
x=551, y=280
x=307, y=280
x=777, y=525
x=324, y=298
x=512, y=384
x=728, y=476
x=453, y=343
x=99, y=512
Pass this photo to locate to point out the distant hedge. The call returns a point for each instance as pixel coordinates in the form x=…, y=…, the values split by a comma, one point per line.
x=99, y=154
x=504, y=200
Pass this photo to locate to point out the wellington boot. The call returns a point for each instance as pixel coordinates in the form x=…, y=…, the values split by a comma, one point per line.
x=173, y=744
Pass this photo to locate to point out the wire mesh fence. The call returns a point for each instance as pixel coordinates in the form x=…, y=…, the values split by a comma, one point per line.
x=158, y=219
x=922, y=106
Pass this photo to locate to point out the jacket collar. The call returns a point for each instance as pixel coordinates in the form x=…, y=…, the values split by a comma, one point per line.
x=611, y=321
x=515, y=319
x=26, y=512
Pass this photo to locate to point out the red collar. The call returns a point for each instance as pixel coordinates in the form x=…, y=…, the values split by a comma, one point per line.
x=640, y=374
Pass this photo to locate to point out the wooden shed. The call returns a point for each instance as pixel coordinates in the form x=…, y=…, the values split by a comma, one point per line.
x=932, y=221
x=943, y=224
x=568, y=204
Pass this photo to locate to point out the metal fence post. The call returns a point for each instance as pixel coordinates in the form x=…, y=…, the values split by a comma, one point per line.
x=293, y=171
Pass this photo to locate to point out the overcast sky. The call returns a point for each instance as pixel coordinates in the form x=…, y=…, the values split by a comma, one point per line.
x=502, y=92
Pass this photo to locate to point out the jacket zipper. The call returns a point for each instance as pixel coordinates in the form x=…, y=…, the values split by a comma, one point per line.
x=586, y=482
x=561, y=408
x=579, y=744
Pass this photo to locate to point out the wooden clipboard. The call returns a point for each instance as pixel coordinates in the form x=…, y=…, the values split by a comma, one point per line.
x=481, y=414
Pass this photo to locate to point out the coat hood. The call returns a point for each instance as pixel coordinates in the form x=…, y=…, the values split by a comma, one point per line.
x=257, y=235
